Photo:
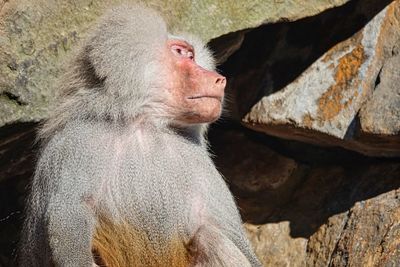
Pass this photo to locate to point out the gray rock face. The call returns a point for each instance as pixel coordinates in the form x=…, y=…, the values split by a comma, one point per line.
x=381, y=113
x=327, y=96
x=379, y=117
x=322, y=104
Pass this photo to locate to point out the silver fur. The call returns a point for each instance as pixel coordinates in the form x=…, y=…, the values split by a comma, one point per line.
x=109, y=148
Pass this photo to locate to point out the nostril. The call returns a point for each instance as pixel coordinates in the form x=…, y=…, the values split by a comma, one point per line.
x=220, y=81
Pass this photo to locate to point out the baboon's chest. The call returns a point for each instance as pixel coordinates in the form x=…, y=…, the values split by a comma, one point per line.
x=154, y=202
x=157, y=187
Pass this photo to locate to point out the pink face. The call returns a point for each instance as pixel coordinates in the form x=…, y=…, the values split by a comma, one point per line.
x=197, y=93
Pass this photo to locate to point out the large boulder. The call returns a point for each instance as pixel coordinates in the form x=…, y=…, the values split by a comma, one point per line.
x=314, y=84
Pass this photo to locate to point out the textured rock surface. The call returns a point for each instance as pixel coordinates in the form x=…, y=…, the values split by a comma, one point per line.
x=327, y=96
x=342, y=210
x=37, y=35
x=17, y=159
x=380, y=116
x=270, y=176
x=370, y=235
x=314, y=89
x=385, y=99
x=273, y=239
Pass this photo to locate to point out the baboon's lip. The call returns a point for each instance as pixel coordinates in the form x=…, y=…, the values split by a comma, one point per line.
x=219, y=98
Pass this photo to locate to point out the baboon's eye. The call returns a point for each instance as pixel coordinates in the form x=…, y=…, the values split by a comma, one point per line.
x=182, y=51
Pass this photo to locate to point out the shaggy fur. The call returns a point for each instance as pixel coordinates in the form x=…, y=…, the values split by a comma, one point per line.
x=117, y=182
x=121, y=245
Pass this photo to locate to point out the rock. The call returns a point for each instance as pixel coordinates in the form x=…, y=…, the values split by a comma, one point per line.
x=361, y=207
x=261, y=180
x=327, y=96
x=229, y=17
x=16, y=145
x=17, y=159
x=275, y=247
x=224, y=46
x=382, y=112
x=320, y=104
x=342, y=211
x=254, y=169
x=366, y=235
x=371, y=235
x=380, y=116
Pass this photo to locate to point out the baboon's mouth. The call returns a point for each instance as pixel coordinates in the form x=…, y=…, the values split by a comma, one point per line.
x=219, y=98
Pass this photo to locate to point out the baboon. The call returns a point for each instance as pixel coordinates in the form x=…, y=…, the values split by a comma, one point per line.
x=124, y=177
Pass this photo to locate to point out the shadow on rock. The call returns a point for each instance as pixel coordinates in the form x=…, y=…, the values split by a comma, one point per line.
x=276, y=180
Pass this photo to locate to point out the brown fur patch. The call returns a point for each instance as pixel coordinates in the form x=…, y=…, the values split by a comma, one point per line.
x=122, y=245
